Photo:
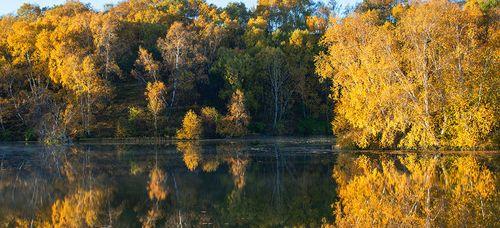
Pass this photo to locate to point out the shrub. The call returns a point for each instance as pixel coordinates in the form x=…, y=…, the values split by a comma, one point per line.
x=135, y=113
x=210, y=117
x=121, y=130
x=191, y=126
x=235, y=123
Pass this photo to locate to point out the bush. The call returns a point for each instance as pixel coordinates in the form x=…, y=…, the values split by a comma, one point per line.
x=191, y=126
x=135, y=113
x=121, y=130
x=235, y=123
x=210, y=117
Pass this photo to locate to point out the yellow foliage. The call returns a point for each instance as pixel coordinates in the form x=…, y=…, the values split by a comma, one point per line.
x=82, y=208
x=154, y=95
x=397, y=10
x=210, y=114
x=298, y=38
x=210, y=166
x=191, y=126
x=256, y=30
x=22, y=40
x=426, y=191
x=238, y=167
x=151, y=67
x=422, y=82
x=156, y=185
x=191, y=154
x=316, y=24
x=235, y=123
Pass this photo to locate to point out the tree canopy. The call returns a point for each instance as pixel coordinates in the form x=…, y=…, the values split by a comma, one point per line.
x=385, y=74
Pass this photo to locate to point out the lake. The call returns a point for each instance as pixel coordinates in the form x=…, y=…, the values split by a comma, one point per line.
x=256, y=182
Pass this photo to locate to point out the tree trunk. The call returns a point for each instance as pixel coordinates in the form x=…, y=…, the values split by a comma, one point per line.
x=176, y=72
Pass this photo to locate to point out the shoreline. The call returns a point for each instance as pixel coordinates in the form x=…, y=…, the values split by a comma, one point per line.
x=149, y=141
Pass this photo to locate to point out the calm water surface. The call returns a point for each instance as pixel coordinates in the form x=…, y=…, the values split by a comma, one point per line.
x=267, y=182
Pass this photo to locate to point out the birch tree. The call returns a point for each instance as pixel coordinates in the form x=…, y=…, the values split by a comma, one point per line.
x=177, y=51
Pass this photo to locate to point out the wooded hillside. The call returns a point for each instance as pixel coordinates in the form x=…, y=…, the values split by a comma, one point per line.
x=385, y=73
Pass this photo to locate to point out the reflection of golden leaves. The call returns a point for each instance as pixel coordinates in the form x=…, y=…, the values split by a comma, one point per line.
x=79, y=209
x=427, y=191
x=210, y=166
x=68, y=171
x=191, y=152
x=136, y=168
x=156, y=187
x=473, y=194
x=232, y=154
x=238, y=170
x=150, y=219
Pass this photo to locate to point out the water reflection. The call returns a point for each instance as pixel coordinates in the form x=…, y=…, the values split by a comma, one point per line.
x=191, y=153
x=410, y=190
x=156, y=186
x=184, y=184
x=242, y=183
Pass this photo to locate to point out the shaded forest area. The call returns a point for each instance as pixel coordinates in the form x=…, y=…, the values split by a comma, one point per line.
x=385, y=73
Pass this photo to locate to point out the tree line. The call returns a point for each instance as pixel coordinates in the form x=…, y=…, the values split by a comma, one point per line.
x=384, y=73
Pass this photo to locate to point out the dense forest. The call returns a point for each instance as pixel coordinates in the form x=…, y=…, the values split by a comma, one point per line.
x=382, y=74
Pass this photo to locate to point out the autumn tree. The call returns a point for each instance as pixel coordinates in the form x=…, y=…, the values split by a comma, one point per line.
x=210, y=31
x=191, y=126
x=26, y=71
x=411, y=84
x=147, y=68
x=155, y=96
x=104, y=28
x=64, y=46
x=401, y=74
x=235, y=123
x=178, y=52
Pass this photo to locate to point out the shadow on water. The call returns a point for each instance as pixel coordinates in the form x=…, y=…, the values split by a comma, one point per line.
x=284, y=182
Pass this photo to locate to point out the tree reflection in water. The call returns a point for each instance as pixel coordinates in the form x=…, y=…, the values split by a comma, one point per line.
x=191, y=153
x=411, y=190
x=240, y=183
x=156, y=187
x=62, y=190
